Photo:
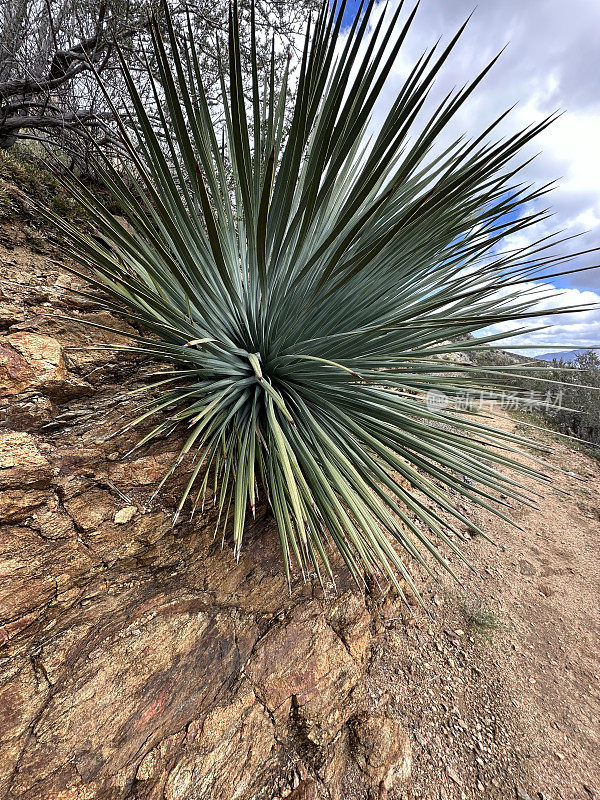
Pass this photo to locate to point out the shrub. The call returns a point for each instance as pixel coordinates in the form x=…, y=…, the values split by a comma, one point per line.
x=576, y=410
x=580, y=391
x=314, y=291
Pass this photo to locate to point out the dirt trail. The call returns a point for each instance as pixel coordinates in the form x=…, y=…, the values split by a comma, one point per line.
x=546, y=584
x=514, y=662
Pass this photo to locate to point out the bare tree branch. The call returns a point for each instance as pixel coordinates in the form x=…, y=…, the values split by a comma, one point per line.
x=50, y=50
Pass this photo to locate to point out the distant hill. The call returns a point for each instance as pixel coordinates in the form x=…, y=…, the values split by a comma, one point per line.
x=566, y=355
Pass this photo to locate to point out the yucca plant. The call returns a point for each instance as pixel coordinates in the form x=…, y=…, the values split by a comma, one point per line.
x=312, y=287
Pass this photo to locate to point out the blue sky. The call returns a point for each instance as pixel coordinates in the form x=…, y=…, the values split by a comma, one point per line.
x=552, y=62
x=350, y=12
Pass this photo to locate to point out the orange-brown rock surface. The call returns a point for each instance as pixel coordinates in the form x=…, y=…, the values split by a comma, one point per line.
x=138, y=660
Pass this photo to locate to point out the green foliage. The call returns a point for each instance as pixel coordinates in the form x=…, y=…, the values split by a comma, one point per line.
x=23, y=178
x=308, y=312
x=580, y=396
x=26, y=180
x=481, y=619
x=576, y=408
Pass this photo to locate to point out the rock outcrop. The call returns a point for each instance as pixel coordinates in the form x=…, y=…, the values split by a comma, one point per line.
x=139, y=660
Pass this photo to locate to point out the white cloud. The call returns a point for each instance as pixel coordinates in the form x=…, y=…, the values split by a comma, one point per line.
x=551, y=63
x=572, y=329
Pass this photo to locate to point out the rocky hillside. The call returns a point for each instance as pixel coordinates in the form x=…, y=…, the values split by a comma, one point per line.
x=138, y=660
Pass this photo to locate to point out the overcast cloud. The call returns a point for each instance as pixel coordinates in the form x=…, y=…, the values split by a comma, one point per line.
x=552, y=62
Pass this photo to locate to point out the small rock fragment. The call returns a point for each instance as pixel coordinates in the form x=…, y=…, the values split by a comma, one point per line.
x=521, y=794
x=526, y=567
x=125, y=515
x=453, y=775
